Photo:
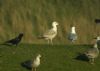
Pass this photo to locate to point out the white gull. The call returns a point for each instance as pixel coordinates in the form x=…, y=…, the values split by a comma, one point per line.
x=72, y=36
x=50, y=34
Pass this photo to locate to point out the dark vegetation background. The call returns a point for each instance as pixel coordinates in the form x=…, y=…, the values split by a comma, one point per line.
x=33, y=17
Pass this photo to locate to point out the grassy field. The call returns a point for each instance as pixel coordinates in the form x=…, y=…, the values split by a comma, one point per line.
x=54, y=58
x=33, y=17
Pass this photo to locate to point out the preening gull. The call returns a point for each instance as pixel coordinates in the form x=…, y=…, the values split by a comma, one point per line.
x=92, y=53
x=36, y=62
x=72, y=36
x=32, y=64
x=50, y=34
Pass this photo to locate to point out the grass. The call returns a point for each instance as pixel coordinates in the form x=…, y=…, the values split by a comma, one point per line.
x=32, y=17
x=54, y=58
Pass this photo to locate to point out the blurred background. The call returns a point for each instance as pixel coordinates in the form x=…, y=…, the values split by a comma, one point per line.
x=33, y=17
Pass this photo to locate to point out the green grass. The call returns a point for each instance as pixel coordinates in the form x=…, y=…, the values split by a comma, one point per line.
x=35, y=16
x=54, y=58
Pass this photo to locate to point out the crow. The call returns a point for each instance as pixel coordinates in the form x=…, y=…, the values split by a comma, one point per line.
x=14, y=41
x=97, y=21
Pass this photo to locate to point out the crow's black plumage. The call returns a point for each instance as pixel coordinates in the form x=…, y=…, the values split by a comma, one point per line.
x=15, y=41
x=97, y=21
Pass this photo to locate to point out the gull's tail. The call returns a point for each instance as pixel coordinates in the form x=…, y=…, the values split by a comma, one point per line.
x=41, y=37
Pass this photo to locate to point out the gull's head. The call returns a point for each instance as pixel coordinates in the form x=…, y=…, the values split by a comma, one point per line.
x=97, y=38
x=55, y=23
x=21, y=34
x=95, y=45
x=73, y=28
x=39, y=56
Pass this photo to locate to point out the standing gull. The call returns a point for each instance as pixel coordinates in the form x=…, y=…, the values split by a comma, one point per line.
x=32, y=64
x=92, y=53
x=72, y=36
x=50, y=34
x=98, y=40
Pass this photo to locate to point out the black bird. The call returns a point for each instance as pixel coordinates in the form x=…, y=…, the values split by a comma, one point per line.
x=97, y=21
x=14, y=41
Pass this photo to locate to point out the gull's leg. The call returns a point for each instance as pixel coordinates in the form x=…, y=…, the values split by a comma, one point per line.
x=51, y=41
x=48, y=41
x=35, y=69
x=32, y=69
x=92, y=61
x=72, y=40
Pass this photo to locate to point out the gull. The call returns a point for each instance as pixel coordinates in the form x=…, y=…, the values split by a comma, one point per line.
x=32, y=64
x=72, y=36
x=50, y=34
x=98, y=40
x=36, y=62
x=92, y=53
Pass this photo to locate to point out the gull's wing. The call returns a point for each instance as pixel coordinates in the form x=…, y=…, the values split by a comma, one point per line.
x=93, y=52
x=50, y=33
